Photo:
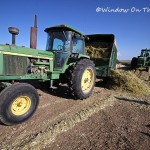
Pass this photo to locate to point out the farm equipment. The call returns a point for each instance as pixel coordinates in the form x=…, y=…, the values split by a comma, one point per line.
x=142, y=61
x=63, y=61
x=103, y=52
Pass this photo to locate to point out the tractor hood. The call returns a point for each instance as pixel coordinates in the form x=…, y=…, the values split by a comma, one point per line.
x=23, y=51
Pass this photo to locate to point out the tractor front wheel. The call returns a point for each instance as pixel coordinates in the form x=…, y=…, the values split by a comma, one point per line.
x=82, y=79
x=148, y=69
x=18, y=102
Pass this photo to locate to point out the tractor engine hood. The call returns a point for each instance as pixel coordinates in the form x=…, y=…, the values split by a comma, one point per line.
x=23, y=51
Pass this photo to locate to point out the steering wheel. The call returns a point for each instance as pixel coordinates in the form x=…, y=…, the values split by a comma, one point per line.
x=60, y=47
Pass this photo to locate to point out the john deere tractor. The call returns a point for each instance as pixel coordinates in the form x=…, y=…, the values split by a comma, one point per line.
x=142, y=61
x=64, y=61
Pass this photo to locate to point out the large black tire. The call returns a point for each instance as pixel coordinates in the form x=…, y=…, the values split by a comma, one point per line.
x=134, y=63
x=18, y=102
x=148, y=69
x=82, y=79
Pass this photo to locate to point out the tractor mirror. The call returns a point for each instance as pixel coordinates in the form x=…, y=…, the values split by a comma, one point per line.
x=87, y=38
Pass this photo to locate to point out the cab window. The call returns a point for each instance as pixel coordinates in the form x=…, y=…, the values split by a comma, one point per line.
x=77, y=45
x=59, y=40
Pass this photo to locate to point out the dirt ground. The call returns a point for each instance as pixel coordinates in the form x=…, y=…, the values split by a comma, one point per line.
x=107, y=120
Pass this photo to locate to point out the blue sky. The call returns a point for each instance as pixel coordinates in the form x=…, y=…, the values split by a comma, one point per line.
x=131, y=29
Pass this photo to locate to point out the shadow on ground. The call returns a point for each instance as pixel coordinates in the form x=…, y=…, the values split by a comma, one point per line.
x=148, y=125
x=147, y=134
x=61, y=91
x=133, y=101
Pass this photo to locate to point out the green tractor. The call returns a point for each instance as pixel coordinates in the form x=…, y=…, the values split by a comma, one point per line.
x=142, y=61
x=64, y=61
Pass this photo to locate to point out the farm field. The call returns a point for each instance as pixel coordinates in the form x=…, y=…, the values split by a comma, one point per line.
x=108, y=119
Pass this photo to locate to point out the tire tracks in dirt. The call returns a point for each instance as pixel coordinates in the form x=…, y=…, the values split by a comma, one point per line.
x=79, y=112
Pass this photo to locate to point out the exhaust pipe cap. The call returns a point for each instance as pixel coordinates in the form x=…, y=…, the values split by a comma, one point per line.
x=13, y=30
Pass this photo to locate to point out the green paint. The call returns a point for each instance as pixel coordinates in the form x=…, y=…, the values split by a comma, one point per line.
x=1, y=64
x=63, y=27
x=144, y=59
x=21, y=63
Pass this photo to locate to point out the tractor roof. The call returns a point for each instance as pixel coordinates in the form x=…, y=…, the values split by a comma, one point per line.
x=62, y=27
x=145, y=50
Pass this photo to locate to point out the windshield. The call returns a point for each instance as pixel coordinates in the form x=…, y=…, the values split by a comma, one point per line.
x=145, y=53
x=58, y=40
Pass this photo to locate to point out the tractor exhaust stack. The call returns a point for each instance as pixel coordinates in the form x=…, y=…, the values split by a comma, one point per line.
x=33, y=34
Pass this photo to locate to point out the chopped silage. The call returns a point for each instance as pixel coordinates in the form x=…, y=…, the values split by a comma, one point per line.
x=97, y=52
x=142, y=74
x=126, y=81
x=98, y=49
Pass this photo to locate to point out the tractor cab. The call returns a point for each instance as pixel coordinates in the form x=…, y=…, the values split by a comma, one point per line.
x=63, y=41
x=145, y=53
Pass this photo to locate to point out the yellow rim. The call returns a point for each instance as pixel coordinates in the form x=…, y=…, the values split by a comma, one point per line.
x=87, y=80
x=21, y=105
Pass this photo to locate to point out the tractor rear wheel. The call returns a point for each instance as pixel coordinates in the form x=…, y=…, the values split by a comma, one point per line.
x=18, y=102
x=148, y=69
x=82, y=79
x=134, y=63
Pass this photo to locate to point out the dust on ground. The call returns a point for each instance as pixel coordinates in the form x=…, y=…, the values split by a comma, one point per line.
x=108, y=119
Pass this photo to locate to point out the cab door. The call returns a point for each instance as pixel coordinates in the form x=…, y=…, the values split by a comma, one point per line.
x=60, y=59
x=61, y=53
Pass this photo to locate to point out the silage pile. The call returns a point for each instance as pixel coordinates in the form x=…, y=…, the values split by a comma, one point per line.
x=98, y=49
x=97, y=52
x=126, y=81
x=142, y=74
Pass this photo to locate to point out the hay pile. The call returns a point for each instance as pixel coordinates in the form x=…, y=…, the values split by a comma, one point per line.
x=142, y=74
x=126, y=81
x=98, y=50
